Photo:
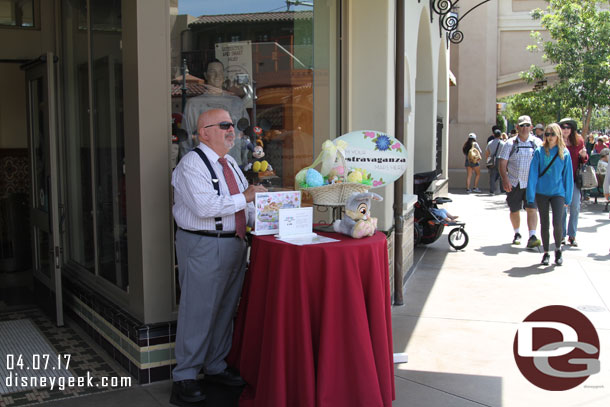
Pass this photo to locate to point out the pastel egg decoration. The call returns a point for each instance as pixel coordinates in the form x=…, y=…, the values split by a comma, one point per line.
x=355, y=176
x=300, y=178
x=314, y=178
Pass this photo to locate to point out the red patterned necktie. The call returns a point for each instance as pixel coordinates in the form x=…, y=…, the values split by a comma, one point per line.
x=240, y=217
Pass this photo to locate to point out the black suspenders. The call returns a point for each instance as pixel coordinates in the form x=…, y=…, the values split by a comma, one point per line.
x=215, y=181
x=215, y=184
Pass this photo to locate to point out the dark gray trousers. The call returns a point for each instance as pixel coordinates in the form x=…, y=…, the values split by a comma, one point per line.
x=495, y=182
x=211, y=273
x=556, y=203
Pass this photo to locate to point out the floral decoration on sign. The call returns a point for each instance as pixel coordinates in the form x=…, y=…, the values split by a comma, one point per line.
x=383, y=142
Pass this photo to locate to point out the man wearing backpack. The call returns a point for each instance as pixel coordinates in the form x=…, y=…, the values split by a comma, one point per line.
x=514, y=164
x=491, y=154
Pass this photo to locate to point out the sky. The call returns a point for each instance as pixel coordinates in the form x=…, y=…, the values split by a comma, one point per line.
x=197, y=8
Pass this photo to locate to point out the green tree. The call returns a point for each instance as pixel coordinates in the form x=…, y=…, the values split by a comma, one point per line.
x=542, y=106
x=601, y=120
x=580, y=50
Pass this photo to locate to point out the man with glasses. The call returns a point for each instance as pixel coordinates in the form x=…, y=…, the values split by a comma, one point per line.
x=212, y=201
x=514, y=165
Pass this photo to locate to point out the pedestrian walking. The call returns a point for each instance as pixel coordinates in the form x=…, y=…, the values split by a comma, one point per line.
x=514, y=166
x=491, y=155
x=550, y=183
x=539, y=131
x=578, y=153
x=472, y=153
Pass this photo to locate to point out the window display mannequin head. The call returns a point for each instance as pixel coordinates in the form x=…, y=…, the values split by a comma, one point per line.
x=214, y=74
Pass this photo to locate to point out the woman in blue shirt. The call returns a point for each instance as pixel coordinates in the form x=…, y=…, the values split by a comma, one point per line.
x=551, y=183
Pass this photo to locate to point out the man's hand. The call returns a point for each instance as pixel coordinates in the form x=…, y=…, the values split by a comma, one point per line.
x=506, y=185
x=250, y=193
x=502, y=164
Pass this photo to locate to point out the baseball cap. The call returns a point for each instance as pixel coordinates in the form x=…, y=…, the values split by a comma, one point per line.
x=497, y=132
x=472, y=136
x=539, y=126
x=524, y=120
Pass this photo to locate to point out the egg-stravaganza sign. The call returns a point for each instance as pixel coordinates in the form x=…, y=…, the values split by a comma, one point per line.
x=382, y=156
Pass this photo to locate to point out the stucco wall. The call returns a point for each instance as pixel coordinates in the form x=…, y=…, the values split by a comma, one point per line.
x=370, y=71
x=515, y=25
x=370, y=78
x=474, y=97
x=487, y=66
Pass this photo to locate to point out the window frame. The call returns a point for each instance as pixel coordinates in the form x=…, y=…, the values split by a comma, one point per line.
x=36, y=16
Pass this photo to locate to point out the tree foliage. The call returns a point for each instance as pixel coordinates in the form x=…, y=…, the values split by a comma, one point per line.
x=580, y=49
x=542, y=106
x=601, y=120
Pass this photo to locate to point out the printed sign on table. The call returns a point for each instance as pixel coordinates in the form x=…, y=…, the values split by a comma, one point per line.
x=267, y=209
x=382, y=156
x=296, y=222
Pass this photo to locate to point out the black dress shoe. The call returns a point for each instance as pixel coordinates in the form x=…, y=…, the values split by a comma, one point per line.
x=228, y=377
x=185, y=392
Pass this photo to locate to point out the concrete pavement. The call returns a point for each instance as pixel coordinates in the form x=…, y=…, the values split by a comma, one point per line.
x=462, y=310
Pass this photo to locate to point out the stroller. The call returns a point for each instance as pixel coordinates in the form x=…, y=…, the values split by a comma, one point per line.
x=427, y=226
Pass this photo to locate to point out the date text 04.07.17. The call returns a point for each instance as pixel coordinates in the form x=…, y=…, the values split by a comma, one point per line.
x=37, y=361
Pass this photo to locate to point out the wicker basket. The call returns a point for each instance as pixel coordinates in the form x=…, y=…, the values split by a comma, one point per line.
x=336, y=194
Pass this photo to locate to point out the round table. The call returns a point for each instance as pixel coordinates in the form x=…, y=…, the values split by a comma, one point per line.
x=314, y=324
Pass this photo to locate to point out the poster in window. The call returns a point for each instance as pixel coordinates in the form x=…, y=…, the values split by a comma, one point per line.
x=237, y=60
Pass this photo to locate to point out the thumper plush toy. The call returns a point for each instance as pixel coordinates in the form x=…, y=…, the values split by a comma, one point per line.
x=358, y=222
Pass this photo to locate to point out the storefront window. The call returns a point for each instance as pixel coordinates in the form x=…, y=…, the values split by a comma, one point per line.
x=276, y=62
x=17, y=13
x=280, y=71
x=79, y=193
x=95, y=138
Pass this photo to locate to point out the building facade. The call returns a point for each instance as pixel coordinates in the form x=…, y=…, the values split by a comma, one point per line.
x=85, y=139
x=487, y=64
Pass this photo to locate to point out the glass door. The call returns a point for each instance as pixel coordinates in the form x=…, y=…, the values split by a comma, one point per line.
x=44, y=205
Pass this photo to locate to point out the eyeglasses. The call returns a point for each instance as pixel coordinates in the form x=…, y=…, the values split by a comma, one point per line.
x=525, y=125
x=550, y=135
x=566, y=126
x=222, y=125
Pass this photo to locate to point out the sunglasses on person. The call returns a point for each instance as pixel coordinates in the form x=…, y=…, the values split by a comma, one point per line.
x=550, y=135
x=525, y=125
x=566, y=126
x=222, y=125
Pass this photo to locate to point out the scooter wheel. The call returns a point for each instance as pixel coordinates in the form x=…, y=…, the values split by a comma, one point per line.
x=458, y=238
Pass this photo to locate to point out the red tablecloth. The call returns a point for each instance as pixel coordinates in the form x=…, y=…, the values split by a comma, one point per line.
x=314, y=325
